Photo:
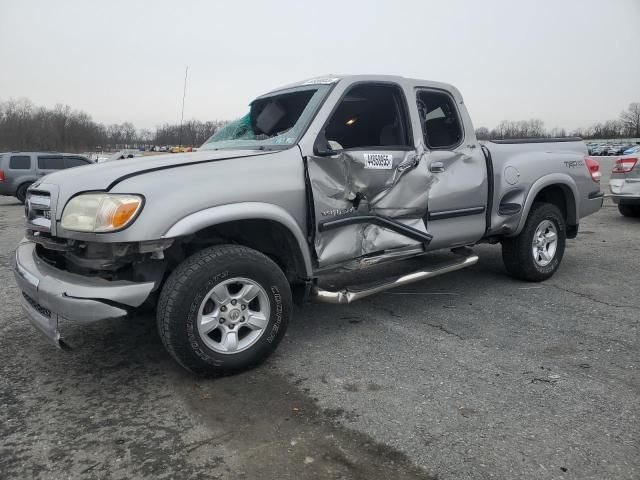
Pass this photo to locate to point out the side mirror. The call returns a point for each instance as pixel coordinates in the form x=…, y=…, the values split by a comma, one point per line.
x=321, y=146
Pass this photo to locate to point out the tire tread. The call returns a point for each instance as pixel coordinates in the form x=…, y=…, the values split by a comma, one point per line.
x=171, y=298
x=516, y=251
x=629, y=210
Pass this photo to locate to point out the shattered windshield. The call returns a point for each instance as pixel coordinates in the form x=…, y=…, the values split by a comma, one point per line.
x=273, y=122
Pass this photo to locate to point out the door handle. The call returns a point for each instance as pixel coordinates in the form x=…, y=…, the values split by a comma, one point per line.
x=436, y=167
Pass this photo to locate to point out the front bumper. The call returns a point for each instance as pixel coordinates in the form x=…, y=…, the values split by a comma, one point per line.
x=50, y=295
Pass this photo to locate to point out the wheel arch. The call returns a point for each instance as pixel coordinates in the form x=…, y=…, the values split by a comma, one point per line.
x=247, y=223
x=559, y=190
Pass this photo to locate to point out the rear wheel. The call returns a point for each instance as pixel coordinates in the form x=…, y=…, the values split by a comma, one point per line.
x=535, y=254
x=21, y=192
x=629, y=210
x=224, y=310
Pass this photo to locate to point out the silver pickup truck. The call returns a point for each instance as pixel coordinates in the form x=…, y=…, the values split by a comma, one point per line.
x=325, y=178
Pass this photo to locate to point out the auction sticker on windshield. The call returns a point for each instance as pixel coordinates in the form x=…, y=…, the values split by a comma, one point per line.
x=382, y=161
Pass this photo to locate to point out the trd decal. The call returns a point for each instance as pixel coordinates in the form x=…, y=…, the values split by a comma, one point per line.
x=573, y=163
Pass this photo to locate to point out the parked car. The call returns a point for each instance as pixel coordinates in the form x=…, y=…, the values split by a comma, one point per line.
x=180, y=149
x=624, y=185
x=618, y=149
x=123, y=154
x=632, y=149
x=324, y=177
x=18, y=170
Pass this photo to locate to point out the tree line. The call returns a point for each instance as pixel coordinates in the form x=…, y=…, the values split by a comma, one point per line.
x=627, y=125
x=25, y=126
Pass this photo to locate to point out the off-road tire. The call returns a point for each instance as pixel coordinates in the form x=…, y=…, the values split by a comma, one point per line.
x=21, y=192
x=184, y=291
x=629, y=210
x=517, y=251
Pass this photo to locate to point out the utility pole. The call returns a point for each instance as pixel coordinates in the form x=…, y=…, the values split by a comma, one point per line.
x=184, y=94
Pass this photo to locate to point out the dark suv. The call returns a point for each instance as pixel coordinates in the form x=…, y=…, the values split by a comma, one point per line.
x=18, y=170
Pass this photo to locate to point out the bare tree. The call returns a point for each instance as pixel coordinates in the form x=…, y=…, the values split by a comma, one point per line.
x=145, y=136
x=631, y=120
x=194, y=133
x=482, y=133
x=24, y=126
x=129, y=134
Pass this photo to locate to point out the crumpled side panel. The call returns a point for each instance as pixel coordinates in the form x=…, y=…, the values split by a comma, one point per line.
x=342, y=186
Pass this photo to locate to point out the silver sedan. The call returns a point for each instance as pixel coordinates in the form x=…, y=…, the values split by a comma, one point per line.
x=625, y=184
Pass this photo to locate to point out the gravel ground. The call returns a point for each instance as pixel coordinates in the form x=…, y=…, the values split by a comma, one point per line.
x=472, y=375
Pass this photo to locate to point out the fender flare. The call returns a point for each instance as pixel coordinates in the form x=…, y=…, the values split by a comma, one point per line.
x=243, y=211
x=560, y=179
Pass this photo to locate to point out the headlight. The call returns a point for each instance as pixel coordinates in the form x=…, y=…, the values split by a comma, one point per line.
x=100, y=212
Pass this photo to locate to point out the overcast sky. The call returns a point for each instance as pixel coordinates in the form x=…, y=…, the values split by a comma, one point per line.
x=568, y=62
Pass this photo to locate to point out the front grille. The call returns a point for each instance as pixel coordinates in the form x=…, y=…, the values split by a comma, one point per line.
x=45, y=312
x=37, y=211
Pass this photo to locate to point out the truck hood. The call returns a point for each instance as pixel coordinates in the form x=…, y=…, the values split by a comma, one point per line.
x=104, y=176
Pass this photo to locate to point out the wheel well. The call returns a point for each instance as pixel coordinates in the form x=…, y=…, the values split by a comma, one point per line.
x=562, y=197
x=266, y=236
x=25, y=183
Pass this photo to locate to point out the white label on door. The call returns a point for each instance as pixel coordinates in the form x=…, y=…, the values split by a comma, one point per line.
x=381, y=161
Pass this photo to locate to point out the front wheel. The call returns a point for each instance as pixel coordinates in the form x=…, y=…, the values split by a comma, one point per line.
x=21, y=192
x=535, y=254
x=224, y=310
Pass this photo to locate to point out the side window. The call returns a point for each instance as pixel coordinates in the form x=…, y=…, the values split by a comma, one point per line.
x=76, y=162
x=369, y=115
x=439, y=118
x=20, y=162
x=50, y=162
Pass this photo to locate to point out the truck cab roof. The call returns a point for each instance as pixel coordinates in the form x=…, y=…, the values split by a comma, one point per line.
x=403, y=81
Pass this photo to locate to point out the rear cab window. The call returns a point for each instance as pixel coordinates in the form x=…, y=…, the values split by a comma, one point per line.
x=51, y=162
x=440, y=120
x=20, y=162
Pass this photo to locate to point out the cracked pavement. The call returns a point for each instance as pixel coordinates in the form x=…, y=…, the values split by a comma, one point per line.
x=472, y=375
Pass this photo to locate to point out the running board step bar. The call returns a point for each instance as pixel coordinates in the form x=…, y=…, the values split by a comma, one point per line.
x=351, y=294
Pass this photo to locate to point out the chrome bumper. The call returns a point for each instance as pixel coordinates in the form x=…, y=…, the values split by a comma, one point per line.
x=50, y=295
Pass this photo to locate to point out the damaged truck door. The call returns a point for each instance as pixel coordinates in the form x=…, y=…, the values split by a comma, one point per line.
x=365, y=172
x=377, y=187
x=458, y=187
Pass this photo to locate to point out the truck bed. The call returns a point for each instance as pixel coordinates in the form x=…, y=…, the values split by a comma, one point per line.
x=524, y=166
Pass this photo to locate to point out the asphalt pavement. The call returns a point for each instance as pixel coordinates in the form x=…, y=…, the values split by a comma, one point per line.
x=471, y=375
